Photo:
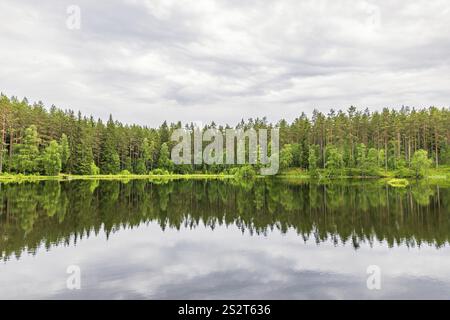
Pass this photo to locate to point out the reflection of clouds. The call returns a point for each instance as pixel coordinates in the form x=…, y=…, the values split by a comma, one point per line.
x=146, y=262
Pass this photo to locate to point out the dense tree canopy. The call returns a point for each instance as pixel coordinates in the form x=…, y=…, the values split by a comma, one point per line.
x=366, y=141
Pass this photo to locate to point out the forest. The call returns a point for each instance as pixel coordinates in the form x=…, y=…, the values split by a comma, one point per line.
x=36, y=140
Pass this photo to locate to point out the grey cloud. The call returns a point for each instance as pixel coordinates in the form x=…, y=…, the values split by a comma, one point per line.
x=151, y=60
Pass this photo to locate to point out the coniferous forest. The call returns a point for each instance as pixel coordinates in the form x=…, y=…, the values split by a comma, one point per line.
x=48, y=141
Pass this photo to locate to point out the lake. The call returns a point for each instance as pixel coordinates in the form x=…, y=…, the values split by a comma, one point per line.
x=197, y=239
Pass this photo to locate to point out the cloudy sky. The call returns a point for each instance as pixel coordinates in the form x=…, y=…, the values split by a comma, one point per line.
x=150, y=60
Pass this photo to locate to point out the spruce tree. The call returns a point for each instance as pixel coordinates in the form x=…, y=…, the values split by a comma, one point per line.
x=110, y=161
x=81, y=153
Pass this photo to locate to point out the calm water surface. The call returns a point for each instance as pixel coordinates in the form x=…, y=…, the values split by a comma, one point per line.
x=268, y=239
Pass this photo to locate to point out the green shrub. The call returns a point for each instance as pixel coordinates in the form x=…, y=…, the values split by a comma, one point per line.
x=245, y=172
x=404, y=173
x=159, y=172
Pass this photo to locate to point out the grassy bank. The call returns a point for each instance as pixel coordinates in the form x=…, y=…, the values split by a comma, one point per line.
x=68, y=177
x=441, y=174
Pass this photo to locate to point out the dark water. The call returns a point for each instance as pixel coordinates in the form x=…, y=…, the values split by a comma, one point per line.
x=222, y=240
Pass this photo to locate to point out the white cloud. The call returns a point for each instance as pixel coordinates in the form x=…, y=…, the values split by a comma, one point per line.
x=147, y=61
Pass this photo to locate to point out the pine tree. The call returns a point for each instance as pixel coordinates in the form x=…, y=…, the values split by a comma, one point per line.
x=110, y=161
x=81, y=154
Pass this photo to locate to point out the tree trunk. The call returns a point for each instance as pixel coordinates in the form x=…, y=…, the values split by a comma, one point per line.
x=11, y=139
x=436, y=148
x=385, y=155
x=409, y=152
x=2, y=142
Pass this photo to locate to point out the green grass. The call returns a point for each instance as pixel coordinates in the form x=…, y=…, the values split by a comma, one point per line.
x=441, y=173
x=68, y=177
x=434, y=175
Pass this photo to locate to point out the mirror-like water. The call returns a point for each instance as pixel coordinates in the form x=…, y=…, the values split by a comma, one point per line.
x=269, y=239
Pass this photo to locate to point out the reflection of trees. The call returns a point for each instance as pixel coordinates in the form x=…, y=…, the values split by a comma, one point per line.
x=51, y=197
x=51, y=212
x=422, y=192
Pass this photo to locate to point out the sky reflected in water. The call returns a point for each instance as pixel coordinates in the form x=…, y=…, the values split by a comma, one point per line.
x=145, y=260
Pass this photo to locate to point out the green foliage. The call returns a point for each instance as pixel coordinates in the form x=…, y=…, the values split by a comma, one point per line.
x=51, y=159
x=404, y=173
x=187, y=169
x=245, y=172
x=94, y=169
x=27, y=158
x=445, y=154
x=297, y=155
x=159, y=171
x=81, y=156
x=164, y=161
x=304, y=144
x=372, y=159
x=140, y=166
x=420, y=163
x=381, y=158
x=361, y=159
x=145, y=159
x=110, y=160
x=286, y=157
x=83, y=163
x=110, y=163
x=312, y=159
x=335, y=161
x=64, y=150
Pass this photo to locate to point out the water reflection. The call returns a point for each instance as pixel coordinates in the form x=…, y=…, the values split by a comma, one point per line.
x=52, y=213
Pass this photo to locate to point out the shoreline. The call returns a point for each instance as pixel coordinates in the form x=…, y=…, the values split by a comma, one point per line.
x=440, y=175
x=68, y=177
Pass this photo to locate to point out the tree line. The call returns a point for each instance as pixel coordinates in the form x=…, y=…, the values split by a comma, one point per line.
x=49, y=141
